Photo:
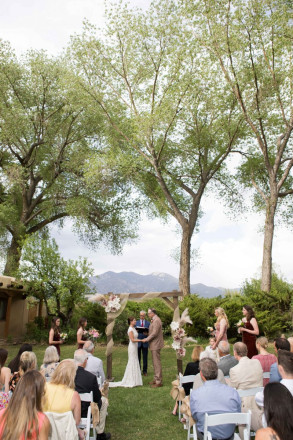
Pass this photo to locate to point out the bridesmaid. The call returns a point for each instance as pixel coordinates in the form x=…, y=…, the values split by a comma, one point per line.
x=54, y=334
x=80, y=335
x=250, y=331
x=221, y=326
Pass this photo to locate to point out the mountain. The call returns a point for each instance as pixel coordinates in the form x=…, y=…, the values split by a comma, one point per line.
x=131, y=282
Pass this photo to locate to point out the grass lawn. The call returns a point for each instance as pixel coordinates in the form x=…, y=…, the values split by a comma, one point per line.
x=143, y=413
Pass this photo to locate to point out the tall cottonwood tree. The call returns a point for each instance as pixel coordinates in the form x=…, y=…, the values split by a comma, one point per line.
x=252, y=43
x=46, y=145
x=166, y=114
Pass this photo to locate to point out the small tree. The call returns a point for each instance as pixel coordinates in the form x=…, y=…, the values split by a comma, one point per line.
x=59, y=283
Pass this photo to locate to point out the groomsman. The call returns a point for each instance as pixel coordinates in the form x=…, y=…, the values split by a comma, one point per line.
x=143, y=346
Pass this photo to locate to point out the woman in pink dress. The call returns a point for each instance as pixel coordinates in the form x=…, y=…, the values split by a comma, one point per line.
x=265, y=358
x=221, y=326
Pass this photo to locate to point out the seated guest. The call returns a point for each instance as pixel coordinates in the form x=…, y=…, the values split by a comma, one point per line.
x=285, y=366
x=94, y=365
x=198, y=381
x=5, y=372
x=28, y=361
x=213, y=398
x=213, y=352
x=60, y=396
x=265, y=358
x=290, y=340
x=50, y=362
x=278, y=409
x=85, y=382
x=279, y=344
x=23, y=418
x=14, y=363
x=247, y=374
x=192, y=368
x=227, y=361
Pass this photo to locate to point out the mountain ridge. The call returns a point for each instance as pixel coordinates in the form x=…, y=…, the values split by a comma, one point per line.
x=132, y=282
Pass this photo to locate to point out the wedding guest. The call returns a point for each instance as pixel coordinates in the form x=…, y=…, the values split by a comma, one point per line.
x=86, y=382
x=198, y=381
x=278, y=409
x=247, y=374
x=60, y=395
x=28, y=361
x=23, y=418
x=5, y=372
x=279, y=344
x=156, y=340
x=94, y=365
x=213, y=398
x=143, y=347
x=81, y=332
x=192, y=368
x=55, y=334
x=221, y=326
x=50, y=362
x=14, y=363
x=290, y=340
x=250, y=330
x=285, y=365
x=227, y=361
x=213, y=352
x=265, y=358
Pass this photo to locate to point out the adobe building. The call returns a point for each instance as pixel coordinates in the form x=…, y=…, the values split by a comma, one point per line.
x=14, y=310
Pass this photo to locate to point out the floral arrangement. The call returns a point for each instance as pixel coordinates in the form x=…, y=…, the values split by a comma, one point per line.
x=111, y=303
x=93, y=334
x=179, y=335
x=63, y=336
x=210, y=330
x=240, y=323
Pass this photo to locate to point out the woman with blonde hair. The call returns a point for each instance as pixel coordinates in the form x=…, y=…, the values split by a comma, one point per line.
x=23, y=418
x=265, y=358
x=50, y=362
x=28, y=361
x=192, y=368
x=60, y=395
x=221, y=326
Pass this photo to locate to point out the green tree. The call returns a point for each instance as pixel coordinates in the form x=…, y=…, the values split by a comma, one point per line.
x=60, y=284
x=167, y=116
x=46, y=146
x=251, y=41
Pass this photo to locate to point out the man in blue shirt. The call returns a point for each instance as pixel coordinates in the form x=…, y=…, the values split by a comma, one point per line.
x=213, y=398
x=279, y=344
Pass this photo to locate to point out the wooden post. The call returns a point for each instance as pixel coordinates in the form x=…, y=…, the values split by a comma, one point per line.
x=8, y=312
x=180, y=366
x=109, y=362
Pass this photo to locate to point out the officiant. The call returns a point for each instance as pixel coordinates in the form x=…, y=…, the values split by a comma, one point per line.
x=142, y=326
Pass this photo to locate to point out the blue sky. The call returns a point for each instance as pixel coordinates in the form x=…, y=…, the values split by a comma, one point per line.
x=229, y=250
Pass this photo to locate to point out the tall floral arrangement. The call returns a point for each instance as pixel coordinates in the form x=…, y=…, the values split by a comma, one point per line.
x=179, y=336
x=111, y=303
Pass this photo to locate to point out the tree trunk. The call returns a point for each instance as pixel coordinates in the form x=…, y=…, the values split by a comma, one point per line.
x=13, y=257
x=266, y=277
x=184, y=275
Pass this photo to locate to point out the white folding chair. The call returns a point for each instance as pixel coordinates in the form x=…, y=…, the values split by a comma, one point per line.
x=86, y=422
x=249, y=391
x=99, y=380
x=227, y=418
x=266, y=375
x=182, y=380
x=63, y=426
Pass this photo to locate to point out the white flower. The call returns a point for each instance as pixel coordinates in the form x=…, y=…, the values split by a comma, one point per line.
x=176, y=345
x=174, y=326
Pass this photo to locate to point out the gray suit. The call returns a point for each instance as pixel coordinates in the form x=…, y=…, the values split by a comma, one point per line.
x=227, y=362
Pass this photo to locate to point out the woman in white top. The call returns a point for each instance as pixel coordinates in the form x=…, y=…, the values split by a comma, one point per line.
x=132, y=376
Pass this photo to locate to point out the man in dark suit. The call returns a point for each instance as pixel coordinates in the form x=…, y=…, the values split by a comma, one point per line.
x=86, y=382
x=143, y=346
x=226, y=360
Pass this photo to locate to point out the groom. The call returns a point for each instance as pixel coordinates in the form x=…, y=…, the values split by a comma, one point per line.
x=155, y=338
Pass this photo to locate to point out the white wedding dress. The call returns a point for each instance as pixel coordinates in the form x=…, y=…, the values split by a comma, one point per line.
x=132, y=376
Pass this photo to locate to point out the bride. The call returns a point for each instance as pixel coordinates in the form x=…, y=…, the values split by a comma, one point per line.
x=132, y=376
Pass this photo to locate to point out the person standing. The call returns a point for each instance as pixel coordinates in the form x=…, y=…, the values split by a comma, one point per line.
x=250, y=331
x=143, y=346
x=54, y=334
x=221, y=326
x=81, y=333
x=156, y=341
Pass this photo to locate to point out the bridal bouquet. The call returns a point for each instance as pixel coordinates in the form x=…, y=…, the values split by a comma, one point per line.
x=63, y=336
x=179, y=336
x=111, y=303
